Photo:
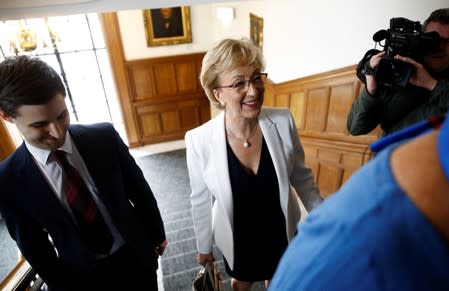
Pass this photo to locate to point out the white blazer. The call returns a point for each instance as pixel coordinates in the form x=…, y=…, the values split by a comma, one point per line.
x=211, y=196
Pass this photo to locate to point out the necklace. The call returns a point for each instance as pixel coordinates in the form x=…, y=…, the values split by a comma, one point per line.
x=246, y=143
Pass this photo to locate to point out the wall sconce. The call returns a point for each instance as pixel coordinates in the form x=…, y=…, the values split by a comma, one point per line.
x=225, y=14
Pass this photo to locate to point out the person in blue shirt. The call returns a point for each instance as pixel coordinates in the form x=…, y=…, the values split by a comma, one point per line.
x=387, y=228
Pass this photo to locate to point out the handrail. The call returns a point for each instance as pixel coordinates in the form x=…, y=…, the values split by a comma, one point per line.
x=20, y=278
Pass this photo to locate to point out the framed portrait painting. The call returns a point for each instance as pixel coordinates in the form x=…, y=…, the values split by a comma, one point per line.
x=167, y=26
x=256, y=29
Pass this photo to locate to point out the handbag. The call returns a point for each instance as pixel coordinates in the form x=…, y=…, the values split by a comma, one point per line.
x=207, y=279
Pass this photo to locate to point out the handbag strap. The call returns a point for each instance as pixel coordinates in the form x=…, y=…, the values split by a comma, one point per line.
x=215, y=274
x=210, y=272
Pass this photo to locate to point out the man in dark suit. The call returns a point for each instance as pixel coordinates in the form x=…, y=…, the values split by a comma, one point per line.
x=85, y=219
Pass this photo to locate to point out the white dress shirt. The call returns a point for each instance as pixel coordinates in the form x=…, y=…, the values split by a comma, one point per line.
x=52, y=171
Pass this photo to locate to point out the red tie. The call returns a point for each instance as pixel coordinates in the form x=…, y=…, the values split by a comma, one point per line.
x=92, y=227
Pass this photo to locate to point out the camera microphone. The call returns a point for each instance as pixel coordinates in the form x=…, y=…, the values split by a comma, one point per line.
x=380, y=35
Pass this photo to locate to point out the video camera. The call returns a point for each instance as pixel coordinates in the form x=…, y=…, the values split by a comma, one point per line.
x=405, y=38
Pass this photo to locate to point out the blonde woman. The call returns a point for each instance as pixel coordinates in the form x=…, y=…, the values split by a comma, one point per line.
x=246, y=167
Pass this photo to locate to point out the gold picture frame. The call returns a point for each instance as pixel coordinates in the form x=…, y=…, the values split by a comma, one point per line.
x=256, y=29
x=167, y=26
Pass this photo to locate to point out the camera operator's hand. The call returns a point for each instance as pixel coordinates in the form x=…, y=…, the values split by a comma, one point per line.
x=421, y=77
x=371, y=84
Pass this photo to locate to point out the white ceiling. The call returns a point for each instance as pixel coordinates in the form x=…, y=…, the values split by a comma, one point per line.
x=19, y=9
x=39, y=3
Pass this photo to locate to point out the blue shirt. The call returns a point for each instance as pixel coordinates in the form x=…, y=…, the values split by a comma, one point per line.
x=367, y=236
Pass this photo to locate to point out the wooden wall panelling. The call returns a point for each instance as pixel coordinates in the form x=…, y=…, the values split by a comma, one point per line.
x=146, y=86
x=167, y=97
x=333, y=162
x=204, y=111
x=319, y=105
x=187, y=76
x=325, y=100
x=298, y=108
x=330, y=171
x=164, y=79
x=340, y=100
x=269, y=96
x=283, y=100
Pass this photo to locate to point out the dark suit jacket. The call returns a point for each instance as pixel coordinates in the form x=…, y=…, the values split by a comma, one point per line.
x=32, y=212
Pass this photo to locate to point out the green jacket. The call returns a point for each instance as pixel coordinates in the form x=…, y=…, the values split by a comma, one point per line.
x=396, y=108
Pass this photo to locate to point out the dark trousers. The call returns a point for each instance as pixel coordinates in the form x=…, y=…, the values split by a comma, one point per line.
x=123, y=270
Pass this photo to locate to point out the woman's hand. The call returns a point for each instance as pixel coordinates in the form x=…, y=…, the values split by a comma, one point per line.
x=203, y=259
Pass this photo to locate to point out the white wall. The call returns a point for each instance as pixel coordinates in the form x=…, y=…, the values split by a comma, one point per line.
x=301, y=37
x=134, y=40
x=304, y=37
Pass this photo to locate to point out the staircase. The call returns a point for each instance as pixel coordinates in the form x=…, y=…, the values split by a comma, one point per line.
x=179, y=264
x=168, y=178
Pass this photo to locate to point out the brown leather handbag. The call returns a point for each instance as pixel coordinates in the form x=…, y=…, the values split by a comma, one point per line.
x=208, y=279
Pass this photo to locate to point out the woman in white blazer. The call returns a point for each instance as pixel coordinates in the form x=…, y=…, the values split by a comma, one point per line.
x=246, y=168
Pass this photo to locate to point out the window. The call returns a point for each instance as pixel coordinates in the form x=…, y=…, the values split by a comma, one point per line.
x=74, y=46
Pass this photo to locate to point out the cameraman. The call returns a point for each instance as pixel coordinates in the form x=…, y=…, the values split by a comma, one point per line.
x=426, y=94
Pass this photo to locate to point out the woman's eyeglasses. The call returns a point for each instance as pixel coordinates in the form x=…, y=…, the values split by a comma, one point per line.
x=243, y=85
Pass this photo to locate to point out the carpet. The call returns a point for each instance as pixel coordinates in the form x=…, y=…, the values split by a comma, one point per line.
x=168, y=178
x=9, y=255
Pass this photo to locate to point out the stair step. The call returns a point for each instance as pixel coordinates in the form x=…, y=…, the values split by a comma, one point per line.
x=178, y=263
x=178, y=224
x=176, y=215
x=181, y=234
x=180, y=247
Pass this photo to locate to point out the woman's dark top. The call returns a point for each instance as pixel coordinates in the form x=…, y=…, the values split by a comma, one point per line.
x=259, y=224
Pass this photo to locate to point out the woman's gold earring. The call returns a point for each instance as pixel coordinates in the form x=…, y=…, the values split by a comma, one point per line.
x=222, y=103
